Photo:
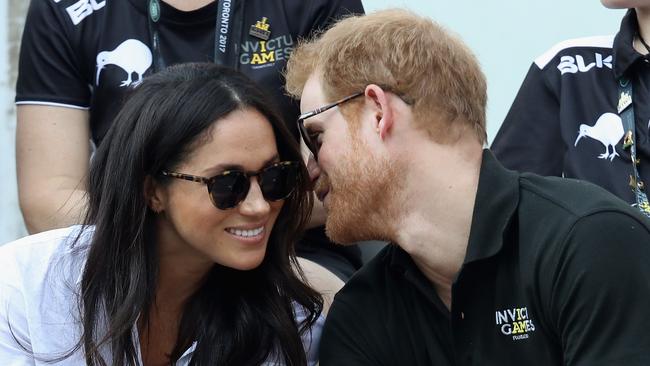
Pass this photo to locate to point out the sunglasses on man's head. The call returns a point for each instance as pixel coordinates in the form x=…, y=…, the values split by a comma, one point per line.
x=312, y=141
x=230, y=187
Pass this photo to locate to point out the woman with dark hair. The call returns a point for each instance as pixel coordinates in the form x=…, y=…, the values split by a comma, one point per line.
x=165, y=271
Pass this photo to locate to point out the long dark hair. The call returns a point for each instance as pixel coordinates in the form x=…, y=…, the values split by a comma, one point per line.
x=235, y=317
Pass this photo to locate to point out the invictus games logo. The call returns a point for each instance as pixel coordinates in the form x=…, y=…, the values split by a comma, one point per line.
x=515, y=322
x=260, y=53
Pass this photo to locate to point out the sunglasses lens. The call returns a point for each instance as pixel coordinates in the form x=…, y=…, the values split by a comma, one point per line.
x=278, y=181
x=308, y=140
x=227, y=190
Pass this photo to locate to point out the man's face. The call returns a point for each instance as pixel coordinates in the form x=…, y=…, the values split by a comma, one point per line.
x=356, y=184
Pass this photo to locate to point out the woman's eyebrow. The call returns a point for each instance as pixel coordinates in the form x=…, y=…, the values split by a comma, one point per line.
x=229, y=166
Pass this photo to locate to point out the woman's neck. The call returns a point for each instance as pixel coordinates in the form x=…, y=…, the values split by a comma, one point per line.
x=188, y=5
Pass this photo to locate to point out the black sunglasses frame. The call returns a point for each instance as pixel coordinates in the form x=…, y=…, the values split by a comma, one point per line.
x=312, y=145
x=209, y=181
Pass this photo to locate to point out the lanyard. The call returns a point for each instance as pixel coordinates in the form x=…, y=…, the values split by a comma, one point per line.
x=227, y=33
x=626, y=111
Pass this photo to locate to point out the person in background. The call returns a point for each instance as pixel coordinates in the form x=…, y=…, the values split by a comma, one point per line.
x=79, y=57
x=486, y=266
x=185, y=256
x=583, y=110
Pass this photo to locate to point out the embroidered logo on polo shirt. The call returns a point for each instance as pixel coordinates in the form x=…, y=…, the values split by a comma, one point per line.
x=515, y=322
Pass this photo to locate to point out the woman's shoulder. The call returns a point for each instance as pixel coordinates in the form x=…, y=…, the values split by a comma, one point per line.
x=50, y=257
x=31, y=253
x=38, y=288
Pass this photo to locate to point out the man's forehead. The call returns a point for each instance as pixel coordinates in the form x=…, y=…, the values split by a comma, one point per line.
x=312, y=94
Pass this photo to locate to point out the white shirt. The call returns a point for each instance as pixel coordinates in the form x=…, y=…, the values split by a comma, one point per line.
x=39, y=316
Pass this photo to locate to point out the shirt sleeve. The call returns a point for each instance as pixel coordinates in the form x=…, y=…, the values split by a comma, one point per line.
x=529, y=139
x=600, y=295
x=348, y=340
x=48, y=67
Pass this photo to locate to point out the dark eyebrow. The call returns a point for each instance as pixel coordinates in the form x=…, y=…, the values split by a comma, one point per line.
x=224, y=167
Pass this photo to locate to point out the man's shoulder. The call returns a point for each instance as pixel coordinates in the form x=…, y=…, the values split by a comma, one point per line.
x=556, y=215
x=566, y=197
x=567, y=50
x=371, y=280
x=75, y=13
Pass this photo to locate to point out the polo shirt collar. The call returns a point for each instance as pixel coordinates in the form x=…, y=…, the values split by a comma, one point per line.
x=624, y=53
x=402, y=264
x=496, y=201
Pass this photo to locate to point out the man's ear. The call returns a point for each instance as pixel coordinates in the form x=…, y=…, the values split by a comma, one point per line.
x=153, y=194
x=381, y=108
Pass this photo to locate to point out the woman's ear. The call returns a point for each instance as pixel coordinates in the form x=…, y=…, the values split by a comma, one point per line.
x=153, y=194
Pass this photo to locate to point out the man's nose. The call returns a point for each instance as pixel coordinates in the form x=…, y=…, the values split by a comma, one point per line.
x=313, y=168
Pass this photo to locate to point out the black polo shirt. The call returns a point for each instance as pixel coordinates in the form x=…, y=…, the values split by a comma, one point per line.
x=573, y=87
x=557, y=272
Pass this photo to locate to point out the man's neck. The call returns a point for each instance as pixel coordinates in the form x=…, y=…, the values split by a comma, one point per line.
x=188, y=5
x=436, y=227
x=643, y=18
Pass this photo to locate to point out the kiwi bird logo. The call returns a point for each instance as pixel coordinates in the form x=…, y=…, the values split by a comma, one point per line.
x=132, y=56
x=608, y=129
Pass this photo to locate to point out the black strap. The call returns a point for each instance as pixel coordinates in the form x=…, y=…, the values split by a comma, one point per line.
x=227, y=33
x=153, y=8
x=626, y=111
x=228, y=28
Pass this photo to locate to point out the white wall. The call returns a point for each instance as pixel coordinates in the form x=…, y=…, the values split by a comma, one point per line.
x=11, y=223
x=506, y=36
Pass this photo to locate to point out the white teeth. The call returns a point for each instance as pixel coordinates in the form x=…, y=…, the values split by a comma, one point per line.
x=246, y=233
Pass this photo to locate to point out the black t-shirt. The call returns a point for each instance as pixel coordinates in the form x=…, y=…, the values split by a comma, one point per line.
x=556, y=273
x=66, y=40
x=86, y=53
x=573, y=87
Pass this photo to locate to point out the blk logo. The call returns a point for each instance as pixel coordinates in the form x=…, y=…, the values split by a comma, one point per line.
x=572, y=65
x=83, y=8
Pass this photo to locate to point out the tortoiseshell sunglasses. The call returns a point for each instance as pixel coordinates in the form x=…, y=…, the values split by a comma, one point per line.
x=229, y=188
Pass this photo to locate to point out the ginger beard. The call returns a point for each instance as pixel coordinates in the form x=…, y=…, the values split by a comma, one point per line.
x=362, y=195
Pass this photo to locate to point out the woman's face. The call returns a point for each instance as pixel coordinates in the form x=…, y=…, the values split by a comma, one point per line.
x=190, y=228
